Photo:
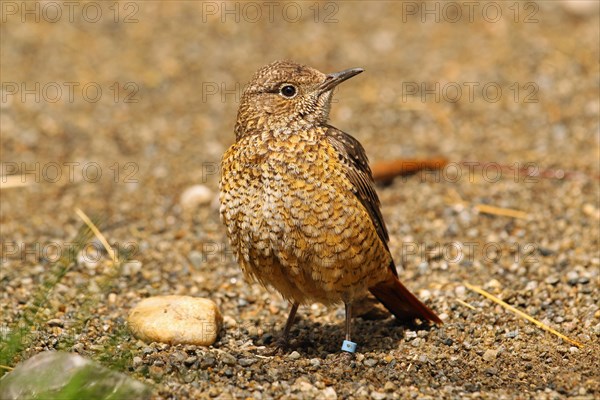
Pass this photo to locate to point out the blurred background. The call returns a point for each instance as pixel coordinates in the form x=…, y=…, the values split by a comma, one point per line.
x=118, y=107
x=149, y=90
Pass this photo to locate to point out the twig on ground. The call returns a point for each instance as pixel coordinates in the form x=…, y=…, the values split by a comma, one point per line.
x=522, y=314
x=386, y=171
x=465, y=304
x=98, y=234
x=505, y=212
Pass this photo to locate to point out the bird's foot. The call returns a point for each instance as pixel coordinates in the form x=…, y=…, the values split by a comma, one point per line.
x=279, y=347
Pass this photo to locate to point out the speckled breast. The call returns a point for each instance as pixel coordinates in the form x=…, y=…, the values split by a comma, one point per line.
x=294, y=222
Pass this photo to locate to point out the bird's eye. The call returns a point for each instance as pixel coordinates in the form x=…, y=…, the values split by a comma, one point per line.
x=288, y=91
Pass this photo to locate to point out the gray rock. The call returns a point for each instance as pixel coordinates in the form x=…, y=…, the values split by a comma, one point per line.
x=208, y=362
x=246, y=362
x=228, y=359
x=370, y=362
x=67, y=375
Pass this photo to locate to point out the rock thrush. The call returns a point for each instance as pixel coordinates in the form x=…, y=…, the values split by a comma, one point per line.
x=299, y=202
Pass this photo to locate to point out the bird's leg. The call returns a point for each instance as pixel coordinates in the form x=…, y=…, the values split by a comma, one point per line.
x=348, y=320
x=290, y=322
x=282, y=343
x=348, y=346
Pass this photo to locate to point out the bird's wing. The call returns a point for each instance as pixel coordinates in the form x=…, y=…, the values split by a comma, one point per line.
x=357, y=170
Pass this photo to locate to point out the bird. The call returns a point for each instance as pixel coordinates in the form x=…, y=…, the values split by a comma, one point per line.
x=298, y=199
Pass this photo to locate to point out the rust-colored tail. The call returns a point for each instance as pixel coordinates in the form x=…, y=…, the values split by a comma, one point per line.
x=401, y=302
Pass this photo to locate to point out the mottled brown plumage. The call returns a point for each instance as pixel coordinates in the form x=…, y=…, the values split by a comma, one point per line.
x=299, y=202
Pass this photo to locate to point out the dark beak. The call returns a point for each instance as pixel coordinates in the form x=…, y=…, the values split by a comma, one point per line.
x=336, y=78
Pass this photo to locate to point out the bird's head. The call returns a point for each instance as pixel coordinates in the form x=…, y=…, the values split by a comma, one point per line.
x=285, y=93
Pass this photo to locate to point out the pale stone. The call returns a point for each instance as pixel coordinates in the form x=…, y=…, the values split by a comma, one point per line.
x=329, y=393
x=580, y=7
x=176, y=320
x=195, y=196
x=490, y=355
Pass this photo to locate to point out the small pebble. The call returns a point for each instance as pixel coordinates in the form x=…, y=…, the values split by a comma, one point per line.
x=552, y=280
x=55, y=322
x=189, y=377
x=370, y=362
x=229, y=322
x=228, y=359
x=177, y=357
x=410, y=334
x=572, y=278
x=582, y=8
x=493, y=284
x=196, y=258
x=378, y=395
x=131, y=268
x=208, y=362
x=544, y=251
x=246, y=362
x=195, y=196
x=190, y=360
x=511, y=334
x=531, y=285
x=490, y=355
x=460, y=291
x=329, y=393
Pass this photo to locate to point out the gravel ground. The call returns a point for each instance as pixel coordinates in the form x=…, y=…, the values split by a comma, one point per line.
x=170, y=76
